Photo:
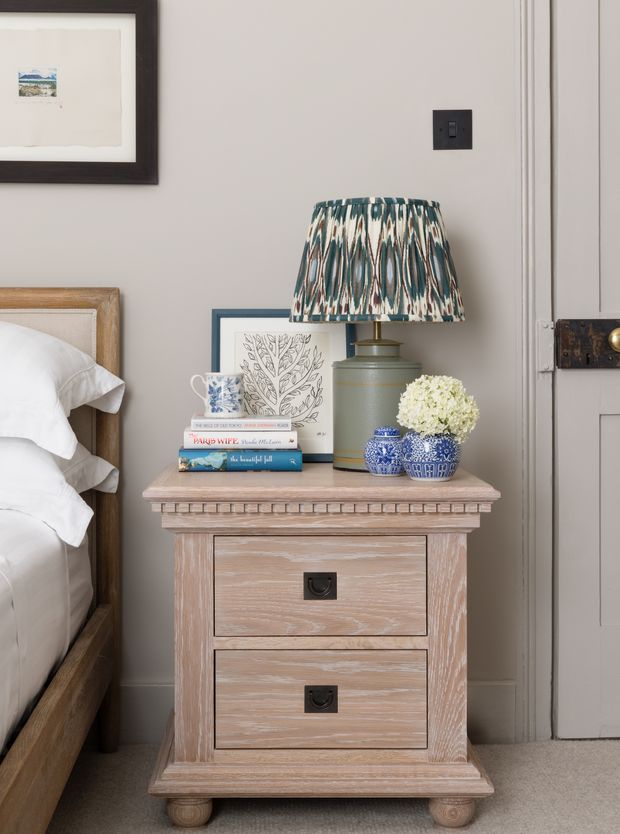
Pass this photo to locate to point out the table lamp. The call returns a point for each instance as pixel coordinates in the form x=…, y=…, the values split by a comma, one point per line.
x=374, y=259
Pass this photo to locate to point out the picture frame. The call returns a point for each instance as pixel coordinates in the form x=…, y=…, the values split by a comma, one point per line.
x=304, y=389
x=78, y=91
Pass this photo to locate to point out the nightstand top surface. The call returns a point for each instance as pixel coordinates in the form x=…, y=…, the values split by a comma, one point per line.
x=317, y=481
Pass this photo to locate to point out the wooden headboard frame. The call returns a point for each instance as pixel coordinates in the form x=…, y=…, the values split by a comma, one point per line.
x=106, y=302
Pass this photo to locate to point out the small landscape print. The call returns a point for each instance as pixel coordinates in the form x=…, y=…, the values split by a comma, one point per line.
x=38, y=83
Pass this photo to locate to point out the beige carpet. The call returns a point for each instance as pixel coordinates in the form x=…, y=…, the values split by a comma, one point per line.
x=563, y=787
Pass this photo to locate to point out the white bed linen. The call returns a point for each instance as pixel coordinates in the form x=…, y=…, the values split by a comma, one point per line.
x=45, y=593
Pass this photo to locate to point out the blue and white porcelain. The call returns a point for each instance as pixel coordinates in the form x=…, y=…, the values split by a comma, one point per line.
x=223, y=394
x=431, y=457
x=383, y=453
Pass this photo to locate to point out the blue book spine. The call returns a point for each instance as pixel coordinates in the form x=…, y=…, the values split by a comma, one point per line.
x=240, y=460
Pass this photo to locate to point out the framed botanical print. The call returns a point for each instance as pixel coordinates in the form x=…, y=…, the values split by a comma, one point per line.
x=78, y=91
x=287, y=368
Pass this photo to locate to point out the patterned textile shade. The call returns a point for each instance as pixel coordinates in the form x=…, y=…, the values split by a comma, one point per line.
x=377, y=259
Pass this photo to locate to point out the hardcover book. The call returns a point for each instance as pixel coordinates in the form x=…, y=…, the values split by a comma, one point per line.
x=239, y=440
x=202, y=460
x=255, y=422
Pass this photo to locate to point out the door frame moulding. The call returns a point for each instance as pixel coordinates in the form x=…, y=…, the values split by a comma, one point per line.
x=534, y=692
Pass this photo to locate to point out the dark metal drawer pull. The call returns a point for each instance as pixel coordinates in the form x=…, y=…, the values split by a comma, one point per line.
x=320, y=586
x=320, y=699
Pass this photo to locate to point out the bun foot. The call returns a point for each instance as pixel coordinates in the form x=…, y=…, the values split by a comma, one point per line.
x=189, y=811
x=452, y=812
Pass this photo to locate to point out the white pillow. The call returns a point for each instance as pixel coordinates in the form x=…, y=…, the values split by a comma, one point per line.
x=41, y=380
x=32, y=482
x=84, y=471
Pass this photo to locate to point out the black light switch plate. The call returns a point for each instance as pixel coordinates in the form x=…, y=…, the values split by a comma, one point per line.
x=452, y=130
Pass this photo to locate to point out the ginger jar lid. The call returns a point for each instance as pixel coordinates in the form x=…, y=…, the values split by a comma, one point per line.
x=387, y=431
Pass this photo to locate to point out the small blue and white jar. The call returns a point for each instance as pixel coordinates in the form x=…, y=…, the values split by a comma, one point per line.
x=383, y=453
x=431, y=457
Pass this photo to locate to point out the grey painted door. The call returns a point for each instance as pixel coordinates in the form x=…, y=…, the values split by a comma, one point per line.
x=586, y=63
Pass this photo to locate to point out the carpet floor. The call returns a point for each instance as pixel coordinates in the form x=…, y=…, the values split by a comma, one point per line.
x=556, y=787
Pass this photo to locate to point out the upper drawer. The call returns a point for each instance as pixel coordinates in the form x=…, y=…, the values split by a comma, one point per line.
x=268, y=585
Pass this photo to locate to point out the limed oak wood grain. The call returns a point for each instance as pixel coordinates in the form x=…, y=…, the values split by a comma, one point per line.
x=321, y=642
x=262, y=531
x=189, y=811
x=317, y=483
x=259, y=585
x=452, y=811
x=193, y=582
x=259, y=699
x=307, y=779
x=414, y=523
x=328, y=757
x=447, y=655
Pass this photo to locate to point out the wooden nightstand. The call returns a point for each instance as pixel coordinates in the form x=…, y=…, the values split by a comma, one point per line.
x=320, y=634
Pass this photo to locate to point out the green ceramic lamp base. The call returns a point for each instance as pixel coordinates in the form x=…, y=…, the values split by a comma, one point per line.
x=367, y=389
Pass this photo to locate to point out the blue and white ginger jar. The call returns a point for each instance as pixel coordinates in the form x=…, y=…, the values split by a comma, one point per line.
x=383, y=453
x=431, y=457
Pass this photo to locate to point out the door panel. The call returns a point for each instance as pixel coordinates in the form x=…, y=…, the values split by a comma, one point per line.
x=609, y=519
x=587, y=402
x=609, y=118
x=576, y=159
x=588, y=563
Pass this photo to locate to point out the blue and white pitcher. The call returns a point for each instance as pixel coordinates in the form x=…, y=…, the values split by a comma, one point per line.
x=223, y=394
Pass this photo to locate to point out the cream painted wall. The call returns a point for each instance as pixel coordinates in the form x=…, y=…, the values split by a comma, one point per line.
x=266, y=107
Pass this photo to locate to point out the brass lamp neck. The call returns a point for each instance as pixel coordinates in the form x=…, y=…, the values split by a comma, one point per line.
x=377, y=346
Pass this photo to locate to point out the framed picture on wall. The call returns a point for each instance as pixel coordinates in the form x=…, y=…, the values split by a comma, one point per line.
x=287, y=368
x=78, y=91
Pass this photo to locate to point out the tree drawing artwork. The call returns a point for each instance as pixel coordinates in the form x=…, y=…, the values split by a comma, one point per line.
x=282, y=376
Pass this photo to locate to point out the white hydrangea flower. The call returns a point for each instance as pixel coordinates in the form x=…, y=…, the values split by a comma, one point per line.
x=438, y=405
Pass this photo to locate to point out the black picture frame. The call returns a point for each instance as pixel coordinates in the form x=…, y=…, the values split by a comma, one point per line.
x=217, y=315
x=144, y=170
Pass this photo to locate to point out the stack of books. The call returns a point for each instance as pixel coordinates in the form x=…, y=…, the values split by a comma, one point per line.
x=240, y=444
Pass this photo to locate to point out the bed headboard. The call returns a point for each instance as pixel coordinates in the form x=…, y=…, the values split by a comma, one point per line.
x=78, y=328
x=88, y=318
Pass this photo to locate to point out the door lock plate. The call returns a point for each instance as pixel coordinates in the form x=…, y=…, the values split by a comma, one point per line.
x=584, y=343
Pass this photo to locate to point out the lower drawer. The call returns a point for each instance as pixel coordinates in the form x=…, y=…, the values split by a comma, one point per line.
x=320, y=699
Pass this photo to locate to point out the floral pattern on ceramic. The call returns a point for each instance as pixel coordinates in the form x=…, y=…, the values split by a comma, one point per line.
x=431, y=457
x=223, y=394
x=383, y=453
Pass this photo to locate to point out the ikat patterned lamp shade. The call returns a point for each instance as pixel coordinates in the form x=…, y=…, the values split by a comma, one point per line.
x=377, y=259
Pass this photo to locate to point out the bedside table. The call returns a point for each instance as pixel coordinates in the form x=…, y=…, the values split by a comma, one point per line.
x=320, y=638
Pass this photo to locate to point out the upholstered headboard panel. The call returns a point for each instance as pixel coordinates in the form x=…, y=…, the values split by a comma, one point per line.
x=78, y=328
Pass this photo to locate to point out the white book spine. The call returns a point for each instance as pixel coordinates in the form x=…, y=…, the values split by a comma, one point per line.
x=242, y=424
x=239, y=440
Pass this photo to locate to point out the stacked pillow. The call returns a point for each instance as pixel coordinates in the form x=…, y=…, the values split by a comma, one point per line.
x=43, y=468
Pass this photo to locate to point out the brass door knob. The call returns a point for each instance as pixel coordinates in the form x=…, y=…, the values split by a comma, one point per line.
x=614, y=339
